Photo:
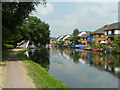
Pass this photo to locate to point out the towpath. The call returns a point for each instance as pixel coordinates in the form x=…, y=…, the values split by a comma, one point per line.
x=15, y=73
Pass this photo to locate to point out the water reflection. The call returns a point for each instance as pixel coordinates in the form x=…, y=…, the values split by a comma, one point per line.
x=40, y=56
x=105, y=62
x=79, y=68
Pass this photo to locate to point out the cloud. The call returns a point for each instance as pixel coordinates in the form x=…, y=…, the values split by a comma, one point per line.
x=84, y=16
x=45, y=10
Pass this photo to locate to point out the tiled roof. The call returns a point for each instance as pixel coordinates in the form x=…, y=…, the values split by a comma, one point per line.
x=84, y=31
x=112, y=26
x=68, y=38
x=84, y=35
x=99, y=31
x=107, y=27
x=53, y=38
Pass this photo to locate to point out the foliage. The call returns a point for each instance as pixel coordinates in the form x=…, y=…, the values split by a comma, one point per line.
x=41, y=57
x=13, y=14
x=15, y=26
x=75, y=56
x=116, y=44
x=75, y=32
x=61, y=42
x=35, y=30
x=41, y=78
x=75, y=39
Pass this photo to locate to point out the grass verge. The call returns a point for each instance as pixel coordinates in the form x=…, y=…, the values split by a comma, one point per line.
x=41, y=78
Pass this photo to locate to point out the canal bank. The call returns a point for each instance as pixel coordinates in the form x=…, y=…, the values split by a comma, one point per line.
x=41, y=78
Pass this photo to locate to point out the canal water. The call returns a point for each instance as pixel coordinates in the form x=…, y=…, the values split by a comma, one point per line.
x=79, y=68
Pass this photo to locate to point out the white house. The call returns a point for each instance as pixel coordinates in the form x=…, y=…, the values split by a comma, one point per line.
x=82, y=33
x=60, y=37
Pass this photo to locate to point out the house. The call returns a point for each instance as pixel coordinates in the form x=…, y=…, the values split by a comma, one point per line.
x=53, y=40
x=98, y=35
x=83, y=32
x=84, y=38
x=60, y=37
x=111, y=30
x=67, y=39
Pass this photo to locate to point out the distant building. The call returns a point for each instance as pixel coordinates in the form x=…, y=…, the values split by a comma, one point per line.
x=53, y=40
x=84, y=38
x=82, y=33
x=98, y=36
x=65, y=38
x=60, y=37
x=111, y=30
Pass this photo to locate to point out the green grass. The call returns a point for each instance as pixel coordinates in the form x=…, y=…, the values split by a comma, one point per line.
x=8, y=46
x=41, y=78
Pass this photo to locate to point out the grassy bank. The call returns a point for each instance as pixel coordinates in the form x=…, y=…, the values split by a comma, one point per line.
x=41, y=78
x=6, y=48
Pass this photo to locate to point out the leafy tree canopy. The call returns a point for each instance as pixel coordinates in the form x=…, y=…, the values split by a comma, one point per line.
x=75, y=32
x=35, y=30
x=116, y=44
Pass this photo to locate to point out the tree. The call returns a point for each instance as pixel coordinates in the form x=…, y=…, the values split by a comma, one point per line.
x=61, y=42
x=116, y=44
x=75, y=39
x=13, y=14
x=75, y=32
x=35, y=30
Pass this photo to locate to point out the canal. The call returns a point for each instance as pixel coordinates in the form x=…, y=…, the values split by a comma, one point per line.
x=79, y=68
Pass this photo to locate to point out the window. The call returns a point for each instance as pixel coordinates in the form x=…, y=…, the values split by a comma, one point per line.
x=105, y=32
x=116, y=31
x=99, y=35
x=109, y=32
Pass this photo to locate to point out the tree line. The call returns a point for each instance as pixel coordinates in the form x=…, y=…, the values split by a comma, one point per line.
x=18, y=25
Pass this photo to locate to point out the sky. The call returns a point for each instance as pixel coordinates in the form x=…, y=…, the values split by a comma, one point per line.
x=64, y=17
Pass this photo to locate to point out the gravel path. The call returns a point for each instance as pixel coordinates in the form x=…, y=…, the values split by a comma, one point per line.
x=15, y=74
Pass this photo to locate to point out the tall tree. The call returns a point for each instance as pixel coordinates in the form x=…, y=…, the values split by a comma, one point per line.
x=35, y=30
x=75, y=38
x=75, y=32
x=13, y=14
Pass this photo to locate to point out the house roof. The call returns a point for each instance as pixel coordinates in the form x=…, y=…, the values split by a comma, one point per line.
x=59, y=38
x=85, y=35
x=99, y=31
x=107, y=27
x=83, y=31
x=68, y=38
x=63, y=37
x=112, y=26
x=53, y=38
